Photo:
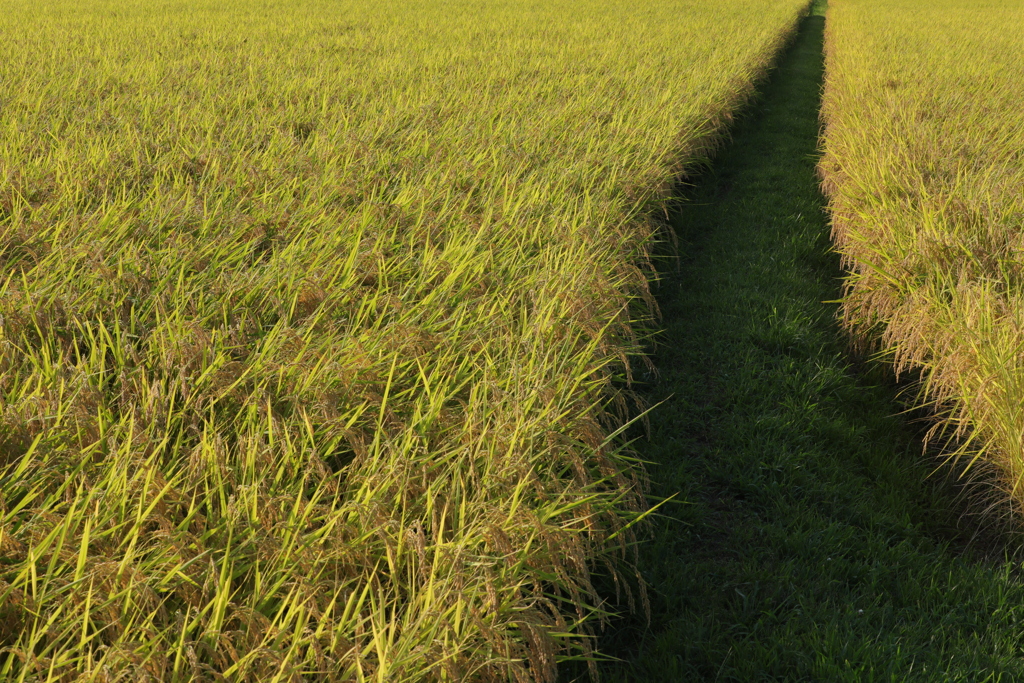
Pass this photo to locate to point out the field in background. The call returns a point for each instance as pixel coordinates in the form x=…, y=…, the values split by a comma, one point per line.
x=316, y=324
x=924, y=167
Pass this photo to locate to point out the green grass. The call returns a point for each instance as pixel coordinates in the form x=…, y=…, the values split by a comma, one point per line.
x=811, y=544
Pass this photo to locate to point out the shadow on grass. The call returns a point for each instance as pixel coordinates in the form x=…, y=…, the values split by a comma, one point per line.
x=810, y=543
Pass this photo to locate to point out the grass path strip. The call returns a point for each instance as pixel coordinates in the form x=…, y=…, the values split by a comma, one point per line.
x=811, y=545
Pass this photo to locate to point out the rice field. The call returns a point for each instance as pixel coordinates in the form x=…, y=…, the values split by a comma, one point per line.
x=924, y=167
x=318, y=323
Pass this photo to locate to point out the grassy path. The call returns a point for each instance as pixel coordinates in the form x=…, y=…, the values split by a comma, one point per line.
x=810, y=546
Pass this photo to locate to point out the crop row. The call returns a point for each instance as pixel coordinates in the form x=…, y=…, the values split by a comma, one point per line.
x=924, y=168
x=317, y=321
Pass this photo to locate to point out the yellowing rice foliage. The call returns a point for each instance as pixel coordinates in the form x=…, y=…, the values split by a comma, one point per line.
x=924, y=166
x=316, y=323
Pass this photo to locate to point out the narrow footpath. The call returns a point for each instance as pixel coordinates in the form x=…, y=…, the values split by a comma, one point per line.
x=810, y=543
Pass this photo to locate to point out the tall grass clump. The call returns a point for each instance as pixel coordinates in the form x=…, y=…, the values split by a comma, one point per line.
x=316, y=325
x=924, y=168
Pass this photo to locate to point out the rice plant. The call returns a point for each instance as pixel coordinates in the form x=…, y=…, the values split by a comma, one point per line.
x=317, y=322
x=924, y=144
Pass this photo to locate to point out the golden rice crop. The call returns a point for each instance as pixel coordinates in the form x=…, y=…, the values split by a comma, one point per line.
x=316, y=323
x=924, y=166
